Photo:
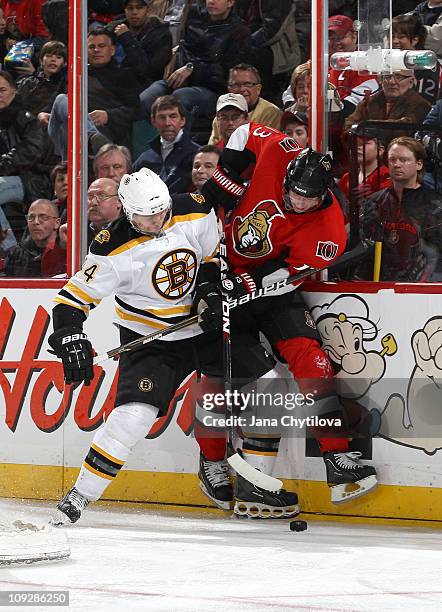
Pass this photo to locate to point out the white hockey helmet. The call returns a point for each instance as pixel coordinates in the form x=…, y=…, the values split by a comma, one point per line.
x=143, y=193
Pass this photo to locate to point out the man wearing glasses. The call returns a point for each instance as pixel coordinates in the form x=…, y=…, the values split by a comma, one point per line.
x=103, y=207
x=396, y=101
x=245, y=79
x=39, y=254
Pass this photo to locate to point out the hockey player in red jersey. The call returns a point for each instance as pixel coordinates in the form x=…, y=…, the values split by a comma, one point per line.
x=288, y=218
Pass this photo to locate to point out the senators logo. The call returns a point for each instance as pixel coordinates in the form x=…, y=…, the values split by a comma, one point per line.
x=174, y=273
x=327, y=250
x=251, y=233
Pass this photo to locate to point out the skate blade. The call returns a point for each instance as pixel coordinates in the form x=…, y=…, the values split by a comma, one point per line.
x=222, y=505
x=340, y=494
x=261, y=511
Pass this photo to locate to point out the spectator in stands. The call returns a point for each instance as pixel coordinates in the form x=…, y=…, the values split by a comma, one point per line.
x=39, y=254
x=102, y=12
x=274, y=48
x=295, y=125
x=59, y=178
x=397, y=101
x=432, y=141
x=429, y=11
x=25, y=20
x=297, y=94
x=409, y=33
x=171, y=152
x=38, y=91
x=3, y=37
x=214, y=40
x=245, y=80
x=103, y=205
x=352, y=85
x=112, y=161
x=431, y=15
x=24, y=163
x=231, y=112
x=406, y=218
x=373, y=174
x=204, y=165
x=145, y=40
x=111, y=103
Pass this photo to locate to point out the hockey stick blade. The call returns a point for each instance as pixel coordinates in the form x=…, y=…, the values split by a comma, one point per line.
x=259, y=479
x=139, y=342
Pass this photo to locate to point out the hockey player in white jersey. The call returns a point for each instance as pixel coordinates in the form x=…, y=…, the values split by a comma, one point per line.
x=160, y=261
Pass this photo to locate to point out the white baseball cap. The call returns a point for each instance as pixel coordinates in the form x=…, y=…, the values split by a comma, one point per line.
x=231, y=99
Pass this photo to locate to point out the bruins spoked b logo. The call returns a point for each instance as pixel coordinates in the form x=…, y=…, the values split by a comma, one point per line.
x=174, y=273
x=145, y=384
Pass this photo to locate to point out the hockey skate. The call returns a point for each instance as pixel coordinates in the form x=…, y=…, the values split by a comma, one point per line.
x=215, y=483
x=254, y=502
x=70, y=508
x=347, y=478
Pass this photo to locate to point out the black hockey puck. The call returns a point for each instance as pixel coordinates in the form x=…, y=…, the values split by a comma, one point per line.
x=298, y=525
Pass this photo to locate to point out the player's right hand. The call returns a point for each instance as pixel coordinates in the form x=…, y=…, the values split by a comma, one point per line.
x=75, y=350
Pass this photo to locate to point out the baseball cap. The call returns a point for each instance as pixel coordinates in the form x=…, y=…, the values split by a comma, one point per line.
x=296, y=116
x=231, y=99
x=341, y=24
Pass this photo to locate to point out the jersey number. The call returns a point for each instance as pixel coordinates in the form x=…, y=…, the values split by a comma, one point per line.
x=90, y=272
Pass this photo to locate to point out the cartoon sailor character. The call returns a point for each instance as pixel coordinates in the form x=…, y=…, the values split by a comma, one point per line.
x=345, y=326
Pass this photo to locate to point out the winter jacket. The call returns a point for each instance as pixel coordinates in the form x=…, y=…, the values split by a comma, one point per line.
x=148, y=52
x=411, y=107
x=27, y=260
x=272, y=23
x=176, y=169
x=37, y=93
x=112, y=89
x=410, y=231
x=25, y=15
x=25, y=151
x=213, y=47
x=263, y=17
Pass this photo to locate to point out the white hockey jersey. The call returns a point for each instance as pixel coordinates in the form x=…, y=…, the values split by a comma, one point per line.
x=152, y=278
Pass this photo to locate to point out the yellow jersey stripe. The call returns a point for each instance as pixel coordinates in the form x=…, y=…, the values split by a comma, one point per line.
x=80, y=293
x=97, y=473
x=107, y=455
x=169, y=311
x=129, y=317
x=61, y=300
x=130, y=245
x=264, y=453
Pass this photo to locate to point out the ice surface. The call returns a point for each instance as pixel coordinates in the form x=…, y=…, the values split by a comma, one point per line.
x=137, y=558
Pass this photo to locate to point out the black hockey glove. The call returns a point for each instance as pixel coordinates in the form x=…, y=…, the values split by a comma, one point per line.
x=207, y=302
x=235, y=286
x=75, y=350
x=224, y=188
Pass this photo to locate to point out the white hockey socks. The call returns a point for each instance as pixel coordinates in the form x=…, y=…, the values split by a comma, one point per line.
x=112, y=445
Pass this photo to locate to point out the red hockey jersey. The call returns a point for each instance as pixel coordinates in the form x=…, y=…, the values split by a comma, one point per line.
x=260, y=228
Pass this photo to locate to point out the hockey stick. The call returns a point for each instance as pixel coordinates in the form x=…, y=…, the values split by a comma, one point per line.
x=358, y=251
x=231, y=303
x=259, y=479
x=139, y=342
